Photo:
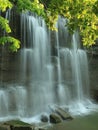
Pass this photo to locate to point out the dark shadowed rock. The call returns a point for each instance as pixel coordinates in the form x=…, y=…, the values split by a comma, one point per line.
x=95, y=94
x=44, y=118
x=21, y=128
x=54, y=118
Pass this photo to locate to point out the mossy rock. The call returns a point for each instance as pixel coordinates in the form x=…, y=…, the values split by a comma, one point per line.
x=54, y=118
x=21, y=128
x=17, y=125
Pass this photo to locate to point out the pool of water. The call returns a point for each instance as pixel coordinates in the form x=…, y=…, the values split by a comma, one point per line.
x=88, y=122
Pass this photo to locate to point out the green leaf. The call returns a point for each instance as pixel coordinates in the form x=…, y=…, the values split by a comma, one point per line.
x=14, y=43
x=4, y=24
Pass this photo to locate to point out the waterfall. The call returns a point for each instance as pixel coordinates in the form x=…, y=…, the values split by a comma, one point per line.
x=35, y=63
x=47, y=78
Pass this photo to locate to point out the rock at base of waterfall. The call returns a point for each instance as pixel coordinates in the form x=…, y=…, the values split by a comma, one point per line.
x=54, y=118
x=44, y=118
x=61, y=112
x=64, y=115
x=16, y=125
x=21, y=128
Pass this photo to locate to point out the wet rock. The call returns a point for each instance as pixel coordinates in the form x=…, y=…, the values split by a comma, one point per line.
x=44, y=118
x=17, y=125
x=54, y=118
x=64, y=114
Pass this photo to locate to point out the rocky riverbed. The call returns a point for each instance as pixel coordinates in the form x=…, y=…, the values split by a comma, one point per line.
x=88, y=122
x=57, y=116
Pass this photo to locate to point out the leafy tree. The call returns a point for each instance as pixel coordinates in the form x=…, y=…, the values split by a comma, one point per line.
x=21, y=6
x=5, y=4
x=4, y=25
x=82, y=15
x=29, y=5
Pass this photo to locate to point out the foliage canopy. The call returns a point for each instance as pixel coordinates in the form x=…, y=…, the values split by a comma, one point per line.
x=82, y=15
x=4, y=25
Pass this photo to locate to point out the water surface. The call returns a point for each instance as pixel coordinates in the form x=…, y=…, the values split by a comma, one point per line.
x=88, y=122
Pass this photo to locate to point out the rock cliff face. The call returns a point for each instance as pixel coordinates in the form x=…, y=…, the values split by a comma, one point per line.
x=8, y=60
x=93, y=71
x=8, y=65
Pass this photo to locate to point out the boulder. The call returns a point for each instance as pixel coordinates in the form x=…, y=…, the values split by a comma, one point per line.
x=17, y=125
x=44, y=118
x=64, y=115
x=54, y=118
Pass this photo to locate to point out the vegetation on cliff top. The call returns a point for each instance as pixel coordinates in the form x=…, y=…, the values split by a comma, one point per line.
x=82, y=15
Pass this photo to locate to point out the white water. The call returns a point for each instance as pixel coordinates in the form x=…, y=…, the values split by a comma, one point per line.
x=47, y=79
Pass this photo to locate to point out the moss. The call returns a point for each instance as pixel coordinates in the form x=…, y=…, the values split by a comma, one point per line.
x=16, y=123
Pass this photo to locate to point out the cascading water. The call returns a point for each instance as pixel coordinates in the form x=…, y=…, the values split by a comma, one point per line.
x=46, y=79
